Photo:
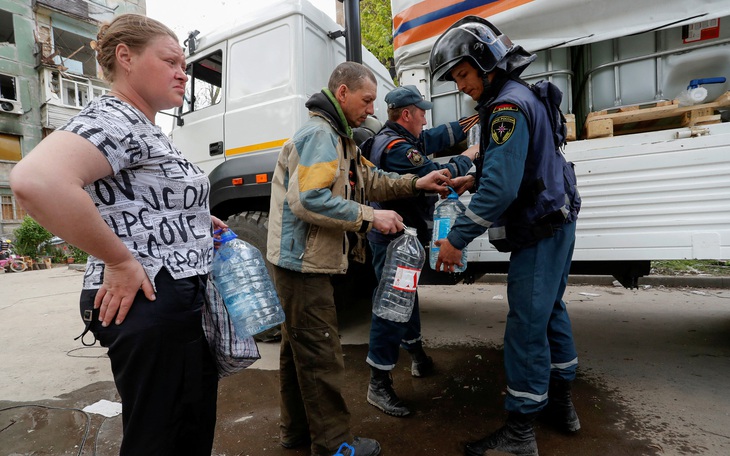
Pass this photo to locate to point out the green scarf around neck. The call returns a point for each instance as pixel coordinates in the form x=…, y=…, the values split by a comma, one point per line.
x=343, y=119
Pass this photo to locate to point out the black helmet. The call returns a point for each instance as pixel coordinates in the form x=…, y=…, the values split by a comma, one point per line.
x=476, y=39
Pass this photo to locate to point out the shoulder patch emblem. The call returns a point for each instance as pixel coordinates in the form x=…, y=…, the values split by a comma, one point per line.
x=414, y=157
x=502, y=129
x=505, y=107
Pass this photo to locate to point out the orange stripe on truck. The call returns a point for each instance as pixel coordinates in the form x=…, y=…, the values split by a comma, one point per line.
x=419, y=9
x=411, y=17
x=255, y=147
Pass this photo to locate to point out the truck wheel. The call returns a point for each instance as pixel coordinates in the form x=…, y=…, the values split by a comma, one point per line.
x=252, y=227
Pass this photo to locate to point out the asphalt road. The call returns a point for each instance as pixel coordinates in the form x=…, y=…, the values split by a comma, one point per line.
x=653, y=375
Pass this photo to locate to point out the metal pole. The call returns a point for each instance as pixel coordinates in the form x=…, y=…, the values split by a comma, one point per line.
x=353, y=41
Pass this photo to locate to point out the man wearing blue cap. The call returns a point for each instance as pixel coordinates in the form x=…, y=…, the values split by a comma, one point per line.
x=402, y=146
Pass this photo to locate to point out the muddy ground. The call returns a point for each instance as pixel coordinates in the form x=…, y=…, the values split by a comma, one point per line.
x=653, y=375
x=461, y=401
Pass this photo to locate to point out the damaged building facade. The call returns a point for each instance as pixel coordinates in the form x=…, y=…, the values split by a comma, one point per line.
x=48, y=72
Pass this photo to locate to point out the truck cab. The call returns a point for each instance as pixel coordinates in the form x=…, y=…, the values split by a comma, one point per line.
x=245, y=96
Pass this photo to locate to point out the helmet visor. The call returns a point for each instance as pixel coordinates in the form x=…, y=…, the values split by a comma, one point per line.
x=473, y=38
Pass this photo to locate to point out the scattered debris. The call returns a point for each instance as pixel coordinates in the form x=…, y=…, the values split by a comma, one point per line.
x=106, y=408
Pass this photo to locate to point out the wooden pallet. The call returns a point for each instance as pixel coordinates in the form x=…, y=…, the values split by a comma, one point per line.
x=658, y=116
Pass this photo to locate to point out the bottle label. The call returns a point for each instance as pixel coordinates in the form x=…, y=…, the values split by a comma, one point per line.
x=441, y=227
x=406, y=279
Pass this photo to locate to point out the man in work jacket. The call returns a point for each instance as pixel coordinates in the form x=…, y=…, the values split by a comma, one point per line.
x=525, y=193
x=318, y=194
x=402, y=146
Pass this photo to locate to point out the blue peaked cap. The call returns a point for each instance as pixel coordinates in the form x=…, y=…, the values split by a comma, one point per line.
x=406, y=96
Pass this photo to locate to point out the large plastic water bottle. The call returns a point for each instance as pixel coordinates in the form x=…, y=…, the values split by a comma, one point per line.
x=444, y=216
x=396, y=292
x=240, y=275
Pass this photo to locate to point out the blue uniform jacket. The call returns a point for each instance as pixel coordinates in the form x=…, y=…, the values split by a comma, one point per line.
x=395, y=149
x=505, y=142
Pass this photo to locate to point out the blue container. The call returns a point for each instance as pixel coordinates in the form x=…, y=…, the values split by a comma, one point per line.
x=240, y=275
x=444, y=217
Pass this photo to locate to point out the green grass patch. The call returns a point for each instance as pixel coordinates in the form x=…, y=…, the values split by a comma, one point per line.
x=691, y=267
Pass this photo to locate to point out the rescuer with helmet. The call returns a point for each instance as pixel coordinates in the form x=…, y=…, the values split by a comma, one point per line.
x=524, y=192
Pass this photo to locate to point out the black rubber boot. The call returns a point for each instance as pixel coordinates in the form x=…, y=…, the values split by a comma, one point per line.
x=421, y=363
x=559, y=411
x=296, y=443
x=515, y=437
x=382, y=395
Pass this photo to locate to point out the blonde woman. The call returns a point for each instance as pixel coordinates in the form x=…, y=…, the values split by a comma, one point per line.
x=111, y=183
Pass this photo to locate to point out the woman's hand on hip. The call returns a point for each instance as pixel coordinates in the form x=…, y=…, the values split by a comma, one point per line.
x=122, y=281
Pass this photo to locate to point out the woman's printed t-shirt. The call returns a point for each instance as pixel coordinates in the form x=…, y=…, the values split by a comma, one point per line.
x=156, y=201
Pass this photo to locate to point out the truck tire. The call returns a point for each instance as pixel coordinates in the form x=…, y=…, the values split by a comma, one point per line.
x=252, y=227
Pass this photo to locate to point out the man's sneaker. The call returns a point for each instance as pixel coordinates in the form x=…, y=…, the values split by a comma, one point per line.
x=360, y=446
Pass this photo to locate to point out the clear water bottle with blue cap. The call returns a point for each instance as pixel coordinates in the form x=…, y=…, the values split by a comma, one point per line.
x=240, y=275
x=396, y=291
x=444, y=216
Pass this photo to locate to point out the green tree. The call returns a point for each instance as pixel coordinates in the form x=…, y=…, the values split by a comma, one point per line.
x=29, y=236
x=377, y=31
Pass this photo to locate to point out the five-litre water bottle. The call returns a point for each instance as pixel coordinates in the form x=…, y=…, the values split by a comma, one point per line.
x=240, y=275
x=396, y=292
x=444, y=216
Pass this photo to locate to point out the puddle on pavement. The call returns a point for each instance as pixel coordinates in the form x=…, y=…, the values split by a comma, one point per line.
x=460, y=402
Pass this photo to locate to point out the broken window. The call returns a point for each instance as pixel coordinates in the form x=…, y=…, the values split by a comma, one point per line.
x=8, y=88
x=75, y=91
x=7, y=31
x=73, y=53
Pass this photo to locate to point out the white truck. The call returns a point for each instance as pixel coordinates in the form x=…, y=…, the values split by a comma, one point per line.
x=654, y=175
x=245, y=96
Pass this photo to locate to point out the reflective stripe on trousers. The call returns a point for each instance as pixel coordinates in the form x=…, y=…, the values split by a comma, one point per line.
x=538, y=340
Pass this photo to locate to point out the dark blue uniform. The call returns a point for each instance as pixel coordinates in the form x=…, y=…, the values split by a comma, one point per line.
x=516, y=151
x=395, y=149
